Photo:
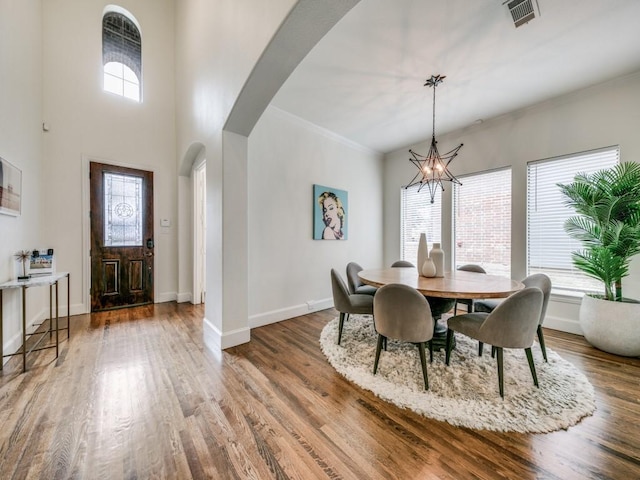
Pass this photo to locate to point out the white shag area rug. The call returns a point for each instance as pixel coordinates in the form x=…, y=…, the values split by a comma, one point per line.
x=466, y=392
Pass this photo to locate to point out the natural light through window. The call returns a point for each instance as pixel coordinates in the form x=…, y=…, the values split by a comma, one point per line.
x=482, y=221
x=121, y=80
x=549, y=247
x=121, y=54
x=419, y=215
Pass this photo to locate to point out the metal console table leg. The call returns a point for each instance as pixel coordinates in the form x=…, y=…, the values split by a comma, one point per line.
x=1, y=335
x=53, y=282
x=24, y=329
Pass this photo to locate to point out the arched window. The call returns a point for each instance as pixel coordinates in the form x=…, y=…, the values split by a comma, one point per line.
x=121, y=54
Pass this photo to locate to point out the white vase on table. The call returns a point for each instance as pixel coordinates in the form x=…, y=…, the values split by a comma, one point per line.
x=437, y=255
x=423, y=252
x=428, y=268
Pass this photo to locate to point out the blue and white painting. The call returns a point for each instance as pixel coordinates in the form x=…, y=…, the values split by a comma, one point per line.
x=330, y=207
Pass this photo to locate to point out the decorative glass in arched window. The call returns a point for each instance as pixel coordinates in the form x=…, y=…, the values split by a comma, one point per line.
x=121, y=54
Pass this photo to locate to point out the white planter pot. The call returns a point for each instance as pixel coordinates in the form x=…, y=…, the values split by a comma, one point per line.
x=611, y=326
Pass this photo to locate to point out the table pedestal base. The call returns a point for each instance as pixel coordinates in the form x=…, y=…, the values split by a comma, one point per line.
x=438, y=307
x=439, y=340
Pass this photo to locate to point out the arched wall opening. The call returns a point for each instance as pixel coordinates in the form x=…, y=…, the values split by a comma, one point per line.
x=192, y=225
x=227, y=324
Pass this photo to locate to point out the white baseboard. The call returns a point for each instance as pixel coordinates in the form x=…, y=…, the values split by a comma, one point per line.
x=211, y=336
x=274, y=316
x=13, y=344
x=563, y=324
x=166, y=297
x=216, y=341
x=184, y=297
x=15, y=341
x=75, y=309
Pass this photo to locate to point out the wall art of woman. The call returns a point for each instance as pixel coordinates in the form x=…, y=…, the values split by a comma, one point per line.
x=332, y=215
x=330, y=222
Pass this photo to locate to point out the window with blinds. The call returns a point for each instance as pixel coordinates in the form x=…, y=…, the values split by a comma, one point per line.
x=419, y=215
x=548, y=245
x=482, y=221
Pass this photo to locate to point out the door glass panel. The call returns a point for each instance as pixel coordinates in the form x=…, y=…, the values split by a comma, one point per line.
x=122, y=210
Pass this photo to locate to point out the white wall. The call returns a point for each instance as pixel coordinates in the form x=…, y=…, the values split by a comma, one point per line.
x=21, y=145
x=87, y=123
x=603, y=115
x=287, y=268
x=233, y=57
x=218, y=44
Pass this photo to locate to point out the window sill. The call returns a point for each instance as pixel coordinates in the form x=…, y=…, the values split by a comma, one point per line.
x=567, y=296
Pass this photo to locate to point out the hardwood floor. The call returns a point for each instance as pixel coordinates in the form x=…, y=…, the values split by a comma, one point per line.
x=134, y=394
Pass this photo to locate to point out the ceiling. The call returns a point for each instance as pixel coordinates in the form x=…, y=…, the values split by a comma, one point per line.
x=364, y=80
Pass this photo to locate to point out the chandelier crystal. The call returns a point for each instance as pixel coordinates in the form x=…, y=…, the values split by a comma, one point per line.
x=433, y=168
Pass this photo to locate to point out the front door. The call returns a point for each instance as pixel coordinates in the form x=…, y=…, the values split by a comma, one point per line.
x=121, y=236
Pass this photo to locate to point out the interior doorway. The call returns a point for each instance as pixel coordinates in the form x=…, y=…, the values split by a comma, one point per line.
x=122, y=245
x=200, y=233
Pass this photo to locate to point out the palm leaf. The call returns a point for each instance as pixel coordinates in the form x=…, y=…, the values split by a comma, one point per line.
x=607, y=222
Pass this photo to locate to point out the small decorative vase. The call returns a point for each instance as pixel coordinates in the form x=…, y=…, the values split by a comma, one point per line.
x=437, y=255
x=423, y=251
x=428, y=268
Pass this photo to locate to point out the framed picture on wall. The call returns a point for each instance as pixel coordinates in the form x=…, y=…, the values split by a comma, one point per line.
x=330, y=213
x=10, y=188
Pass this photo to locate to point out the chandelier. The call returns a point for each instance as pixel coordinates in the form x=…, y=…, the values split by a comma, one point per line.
x=433, y=168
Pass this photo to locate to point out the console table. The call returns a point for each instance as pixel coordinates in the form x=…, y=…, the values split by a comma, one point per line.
x=36, y=281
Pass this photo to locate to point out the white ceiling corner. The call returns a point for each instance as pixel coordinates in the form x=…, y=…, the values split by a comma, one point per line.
x=364, y=80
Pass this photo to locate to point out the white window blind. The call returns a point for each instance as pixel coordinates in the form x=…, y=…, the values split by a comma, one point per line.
x=482, y=221
x=548, y=245
x=419, y=215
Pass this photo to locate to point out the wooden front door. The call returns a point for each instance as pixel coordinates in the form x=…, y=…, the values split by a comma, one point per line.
x=121, y=236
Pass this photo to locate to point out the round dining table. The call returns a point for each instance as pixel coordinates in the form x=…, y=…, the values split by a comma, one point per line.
x=441, y=292
x=454, y=284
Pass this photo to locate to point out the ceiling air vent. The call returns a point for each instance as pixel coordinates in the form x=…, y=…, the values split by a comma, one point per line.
x=522, y=11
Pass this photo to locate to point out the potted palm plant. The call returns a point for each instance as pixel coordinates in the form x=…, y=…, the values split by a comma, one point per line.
x=607, y=223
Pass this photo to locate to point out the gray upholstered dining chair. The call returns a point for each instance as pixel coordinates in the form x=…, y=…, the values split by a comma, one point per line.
x=539, y=280
x=402, y=264
x=438, y=305
x=511, y=325
x=347, y=303
x=402, y=313
x=355, y=284
x=469, y=267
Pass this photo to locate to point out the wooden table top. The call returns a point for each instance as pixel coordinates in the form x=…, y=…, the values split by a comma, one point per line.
x=455, y=284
